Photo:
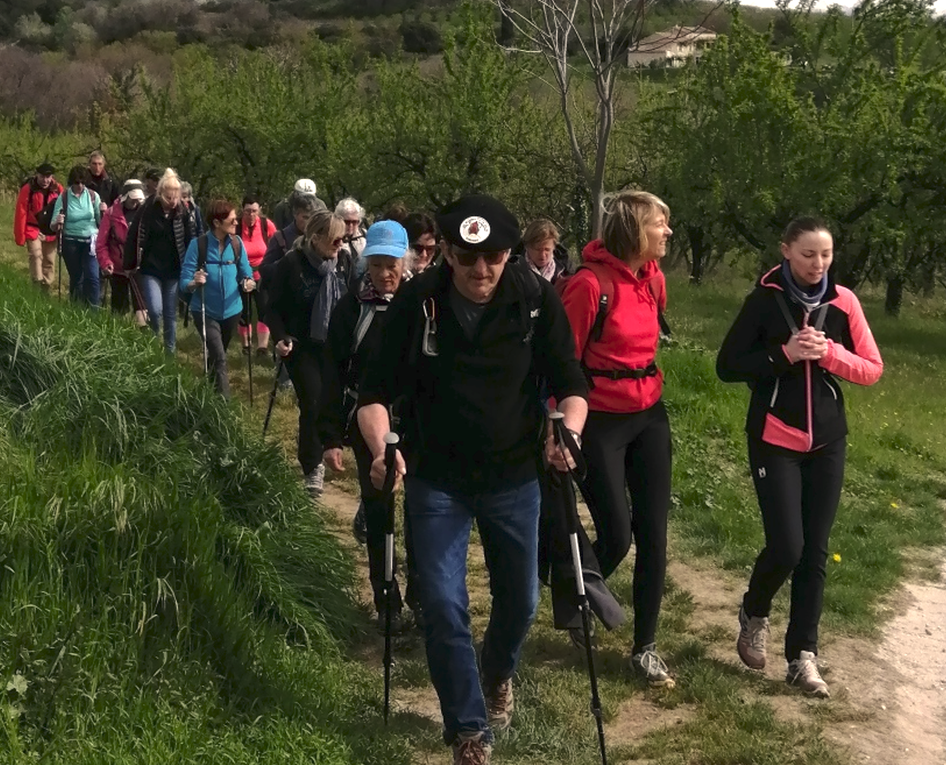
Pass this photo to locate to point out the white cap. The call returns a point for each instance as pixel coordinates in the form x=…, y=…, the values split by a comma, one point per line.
x=136, y=194
x=305, y=186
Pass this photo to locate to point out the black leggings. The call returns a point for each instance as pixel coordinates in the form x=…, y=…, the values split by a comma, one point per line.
x=631, y=453
x=798, y=494
x=305, y=371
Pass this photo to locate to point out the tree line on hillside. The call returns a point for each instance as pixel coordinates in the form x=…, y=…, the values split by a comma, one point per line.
x=844, y=116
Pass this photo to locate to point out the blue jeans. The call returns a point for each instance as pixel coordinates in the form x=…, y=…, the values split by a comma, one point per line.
x=440, y=523
x=160, y=297
x=83, y=270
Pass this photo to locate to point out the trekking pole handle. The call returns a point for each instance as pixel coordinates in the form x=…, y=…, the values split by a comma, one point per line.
x=391, y=440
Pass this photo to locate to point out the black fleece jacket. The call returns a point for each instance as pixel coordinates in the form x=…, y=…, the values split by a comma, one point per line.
x=475, y=415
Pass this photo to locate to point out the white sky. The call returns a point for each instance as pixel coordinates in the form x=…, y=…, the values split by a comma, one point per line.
x=939, y=5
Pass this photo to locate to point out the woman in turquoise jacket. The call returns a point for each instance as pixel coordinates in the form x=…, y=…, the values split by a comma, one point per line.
x=214, y=271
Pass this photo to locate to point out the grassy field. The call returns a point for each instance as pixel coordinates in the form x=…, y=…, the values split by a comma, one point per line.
x=890, y=523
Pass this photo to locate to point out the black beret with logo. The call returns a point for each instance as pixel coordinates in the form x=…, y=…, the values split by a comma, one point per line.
x=479, y=223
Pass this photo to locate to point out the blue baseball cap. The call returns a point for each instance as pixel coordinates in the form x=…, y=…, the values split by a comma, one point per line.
x=387, y=237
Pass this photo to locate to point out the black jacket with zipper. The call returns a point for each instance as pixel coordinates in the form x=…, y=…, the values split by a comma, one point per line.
x=798, y=406
x=474, y=414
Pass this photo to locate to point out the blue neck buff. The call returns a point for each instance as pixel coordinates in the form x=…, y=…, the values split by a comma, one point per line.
x=808, y=298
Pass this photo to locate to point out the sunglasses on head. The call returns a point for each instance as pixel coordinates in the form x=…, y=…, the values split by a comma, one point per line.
x=468, y=259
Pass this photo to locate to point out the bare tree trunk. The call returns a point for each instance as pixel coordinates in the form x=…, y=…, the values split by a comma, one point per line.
x=894, y=299
x=699, y=253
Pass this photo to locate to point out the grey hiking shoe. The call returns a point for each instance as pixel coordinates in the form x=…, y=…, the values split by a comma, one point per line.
x=315, y=481
x=500, y=704
x=753, y=635
x=803, y=673
x=471, y=749
x=649, y=666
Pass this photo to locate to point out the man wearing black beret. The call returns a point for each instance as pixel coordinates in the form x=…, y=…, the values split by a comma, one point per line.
x=466, y=346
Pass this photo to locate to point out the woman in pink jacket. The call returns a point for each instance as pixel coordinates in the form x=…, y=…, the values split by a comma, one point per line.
x=110, y=245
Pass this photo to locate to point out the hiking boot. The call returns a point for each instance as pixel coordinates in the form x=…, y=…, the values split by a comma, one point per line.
x=500, y=704
x=470, y=749
x=803, y=673
x=753, y=634
x=359, y=525
x=315, y=481
x=650, y=667
x=263, y=354
x=577, y=634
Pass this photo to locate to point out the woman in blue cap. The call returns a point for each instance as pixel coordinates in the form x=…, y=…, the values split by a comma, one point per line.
x=356, y=327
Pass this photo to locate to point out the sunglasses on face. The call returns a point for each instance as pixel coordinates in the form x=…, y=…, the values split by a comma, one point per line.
x=468, y=259
x=338, y=242
x=427, y=249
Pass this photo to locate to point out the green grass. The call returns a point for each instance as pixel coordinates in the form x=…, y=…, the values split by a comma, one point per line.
x=173, y=694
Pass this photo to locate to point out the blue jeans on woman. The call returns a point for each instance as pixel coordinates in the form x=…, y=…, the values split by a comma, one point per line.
x=83, y=270
x=440, y=524
x=160, y=298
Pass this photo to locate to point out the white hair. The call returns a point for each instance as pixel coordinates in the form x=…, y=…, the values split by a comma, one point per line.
x=187, y=191
x=349, y=206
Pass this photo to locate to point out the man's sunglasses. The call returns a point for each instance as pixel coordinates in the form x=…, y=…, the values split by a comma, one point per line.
x=468, y=259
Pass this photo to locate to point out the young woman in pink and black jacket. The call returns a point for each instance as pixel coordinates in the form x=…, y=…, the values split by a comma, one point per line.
x=796, y=336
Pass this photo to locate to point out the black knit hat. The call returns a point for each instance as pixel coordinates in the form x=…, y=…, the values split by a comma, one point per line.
x=479, y=223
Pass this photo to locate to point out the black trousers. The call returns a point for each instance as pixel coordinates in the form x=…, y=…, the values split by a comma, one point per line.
x=631, y=453
x=219, y=334
x=123, y=300
x=305, y=371
x=798, y=495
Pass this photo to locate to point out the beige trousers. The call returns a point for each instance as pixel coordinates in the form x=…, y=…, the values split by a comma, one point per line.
x=42, y=260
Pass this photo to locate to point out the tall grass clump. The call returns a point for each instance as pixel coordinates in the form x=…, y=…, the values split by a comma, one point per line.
x=167, y=591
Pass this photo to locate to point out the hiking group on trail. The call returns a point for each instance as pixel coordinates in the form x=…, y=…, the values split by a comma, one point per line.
x=468, y=338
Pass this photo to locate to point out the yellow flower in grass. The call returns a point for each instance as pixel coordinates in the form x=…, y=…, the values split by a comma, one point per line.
x=895, y=506
x=836, y=557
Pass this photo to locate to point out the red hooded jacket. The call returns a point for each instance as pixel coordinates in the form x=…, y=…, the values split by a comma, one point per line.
x=630, y=333
x=30, y=201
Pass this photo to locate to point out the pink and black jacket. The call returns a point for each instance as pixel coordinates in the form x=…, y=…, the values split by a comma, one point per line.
x=797, y=406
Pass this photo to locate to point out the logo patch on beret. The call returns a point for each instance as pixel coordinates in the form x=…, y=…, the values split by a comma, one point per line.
x=474, y=229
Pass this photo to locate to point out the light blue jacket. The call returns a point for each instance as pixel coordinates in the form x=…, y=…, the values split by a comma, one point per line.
x=225, y=273
x=83, y=214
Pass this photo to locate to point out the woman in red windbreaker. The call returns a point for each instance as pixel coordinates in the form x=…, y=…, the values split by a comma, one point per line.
x=39, y=191
x=627, y=435
x=110, y=248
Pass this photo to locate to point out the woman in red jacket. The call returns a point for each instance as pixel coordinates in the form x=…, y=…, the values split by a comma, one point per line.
x=627, y=435
x=33, y=197
x=110, y=249
x=255, y=231
x=796, y=335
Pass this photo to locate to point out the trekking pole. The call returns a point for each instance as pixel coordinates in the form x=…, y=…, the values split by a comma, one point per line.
x=272, y=395
x=248, y=306
x=391, y=441
x=565, y=440
x=203, y=320
x=59, y=253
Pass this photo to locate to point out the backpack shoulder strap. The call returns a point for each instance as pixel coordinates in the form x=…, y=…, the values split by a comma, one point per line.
x=366, y=316
x=263, y=228
x=783, y=307
x=280, y=238
x=605, y=297
x=202, y=252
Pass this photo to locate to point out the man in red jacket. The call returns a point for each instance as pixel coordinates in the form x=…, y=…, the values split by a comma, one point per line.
x=33, y=197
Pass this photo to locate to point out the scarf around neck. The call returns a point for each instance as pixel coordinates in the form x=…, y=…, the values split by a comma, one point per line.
x=328, y=294
x=547, y=272
x=808, y=299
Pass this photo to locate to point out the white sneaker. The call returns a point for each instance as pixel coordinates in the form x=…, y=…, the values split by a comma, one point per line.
x=804, y=673
x=315, y=481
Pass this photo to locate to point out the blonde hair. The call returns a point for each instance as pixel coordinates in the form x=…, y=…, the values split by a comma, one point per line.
x=540, y=230
x=325, y=225
x=169, y=175
x=626, y=214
